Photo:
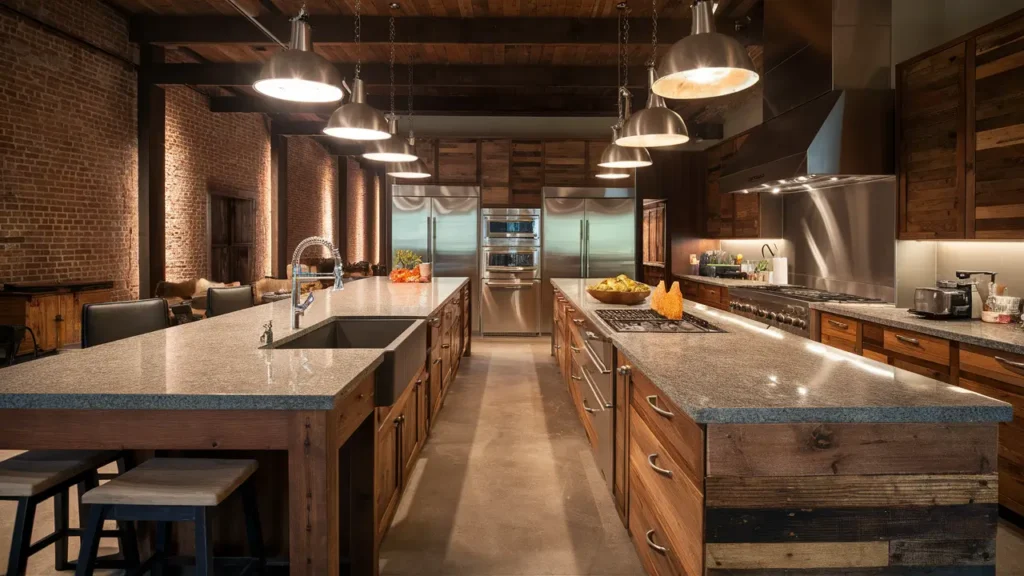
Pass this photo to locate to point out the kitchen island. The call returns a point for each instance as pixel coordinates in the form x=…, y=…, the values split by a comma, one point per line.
x=212, y=386
x=754, y=451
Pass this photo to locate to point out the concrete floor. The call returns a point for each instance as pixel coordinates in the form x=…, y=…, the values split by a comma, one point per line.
x=506, y=486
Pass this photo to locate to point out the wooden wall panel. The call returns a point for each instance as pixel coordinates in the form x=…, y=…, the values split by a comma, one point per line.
x=494, y=197
x=527, y=174
x=594, y=150
x=996, y=125
x=495, y=160
x=457, y=162
x=932, y=139
x=426, y=149
x=565, y=163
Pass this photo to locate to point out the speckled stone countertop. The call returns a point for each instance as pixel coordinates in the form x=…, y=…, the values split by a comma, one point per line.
x=757, y=374
x=726, y=282
x=1005, y=337
x=217, y=363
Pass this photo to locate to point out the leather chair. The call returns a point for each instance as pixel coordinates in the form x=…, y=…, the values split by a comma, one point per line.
x=110, y=321
x=226, y=300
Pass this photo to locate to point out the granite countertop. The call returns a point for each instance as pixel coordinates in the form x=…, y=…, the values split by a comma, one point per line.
x=757, y=374
x=727, y=282
x=1005, y=337
x=217, y=363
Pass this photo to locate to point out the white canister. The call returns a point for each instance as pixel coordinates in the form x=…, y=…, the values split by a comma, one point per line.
x=426, y=269
x=780, y=270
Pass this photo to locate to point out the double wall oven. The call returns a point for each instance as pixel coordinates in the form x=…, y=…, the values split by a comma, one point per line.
x=510, y=262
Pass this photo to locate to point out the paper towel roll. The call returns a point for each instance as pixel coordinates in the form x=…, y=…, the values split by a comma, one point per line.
x=780, y=270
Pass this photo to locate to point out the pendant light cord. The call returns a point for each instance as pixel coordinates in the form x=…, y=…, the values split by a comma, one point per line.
x=618, y=66
x=391, y=65
x=654, y=33
x=623, y=91
x=411, y=61
x=359, y=34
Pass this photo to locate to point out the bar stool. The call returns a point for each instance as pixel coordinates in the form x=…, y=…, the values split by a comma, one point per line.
x=110, y=321
x=168, y=490
x=224, y=300
x=33, y=477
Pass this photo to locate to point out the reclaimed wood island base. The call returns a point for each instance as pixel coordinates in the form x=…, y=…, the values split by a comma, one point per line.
x=789, y=458
x=332, y=464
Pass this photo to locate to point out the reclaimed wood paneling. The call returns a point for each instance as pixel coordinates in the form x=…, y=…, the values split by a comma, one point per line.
x=526, y=177
x=720, y=206
x=747, y=215
x=565, y=163
x=426, y=149
x=798, y=555
x=594, y=150
x=932, y=140
x=457, y=161
x=952, y=552
x=495, y=161
x=492, y=197
x=850, y=449
x=996, y=124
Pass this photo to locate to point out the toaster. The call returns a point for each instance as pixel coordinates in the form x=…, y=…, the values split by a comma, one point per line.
x=942, y=302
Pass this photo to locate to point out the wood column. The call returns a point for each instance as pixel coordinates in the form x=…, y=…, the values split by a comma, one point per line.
x=151, y=137
x=279, y=256
x=313, y=495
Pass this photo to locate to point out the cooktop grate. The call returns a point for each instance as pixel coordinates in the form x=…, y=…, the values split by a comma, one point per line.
x=646, y=320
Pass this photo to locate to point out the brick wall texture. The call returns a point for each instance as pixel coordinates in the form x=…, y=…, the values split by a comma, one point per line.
x=68, y=156
x=312, y=190
x=208, y=153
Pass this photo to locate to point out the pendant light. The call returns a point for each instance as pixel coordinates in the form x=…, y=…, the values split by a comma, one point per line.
x=611, y=174
x=393, y=149
x=656, y=125
x=705, y=64
x=297, y=73
x=357, y=120
x=415, y=169
x=615, y=156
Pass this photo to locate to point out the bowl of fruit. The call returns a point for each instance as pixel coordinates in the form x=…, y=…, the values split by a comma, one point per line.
x=620, y=290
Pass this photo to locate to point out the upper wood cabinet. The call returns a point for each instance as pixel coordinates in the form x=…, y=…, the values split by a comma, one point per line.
x=495, y=162
x=565, y=163
x=526, y=177
x=729, y=215
x=457, y=162
x=960, y=137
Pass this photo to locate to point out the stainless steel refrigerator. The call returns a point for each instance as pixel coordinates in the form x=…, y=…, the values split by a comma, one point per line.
x=587, y=233
x=440, y=223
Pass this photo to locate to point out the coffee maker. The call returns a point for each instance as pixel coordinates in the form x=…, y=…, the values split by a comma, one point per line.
x=952, y=298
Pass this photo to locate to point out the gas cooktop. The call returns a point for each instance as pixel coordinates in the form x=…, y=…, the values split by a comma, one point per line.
x=645, y=320
x=809, y=294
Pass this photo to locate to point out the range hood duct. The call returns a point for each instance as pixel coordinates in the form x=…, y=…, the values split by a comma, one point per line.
x=828, y=109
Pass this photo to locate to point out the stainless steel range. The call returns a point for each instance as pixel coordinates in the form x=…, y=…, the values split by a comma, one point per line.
x=785, y=307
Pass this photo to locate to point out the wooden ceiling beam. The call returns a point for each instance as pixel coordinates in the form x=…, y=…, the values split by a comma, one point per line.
x=215, y=29
x=489, y=105
x=374, y=74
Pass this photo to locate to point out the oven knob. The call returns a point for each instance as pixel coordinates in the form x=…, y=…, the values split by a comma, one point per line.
x=799, y=323
x=732, y=304
x=787, y=319
x=772, y=316
x=762, y=312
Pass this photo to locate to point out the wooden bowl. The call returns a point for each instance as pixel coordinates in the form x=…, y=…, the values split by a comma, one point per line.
x=627, y=298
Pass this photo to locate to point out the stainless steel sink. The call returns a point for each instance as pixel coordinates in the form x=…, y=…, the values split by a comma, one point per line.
x=403, y=340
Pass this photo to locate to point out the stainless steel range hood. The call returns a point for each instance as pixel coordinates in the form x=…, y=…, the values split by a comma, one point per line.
x=827, y=105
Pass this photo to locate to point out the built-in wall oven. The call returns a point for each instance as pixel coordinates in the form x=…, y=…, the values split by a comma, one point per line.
x=510, y=262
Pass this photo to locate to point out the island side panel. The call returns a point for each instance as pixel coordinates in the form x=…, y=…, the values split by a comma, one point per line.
x=313, y=500
x=821, y=497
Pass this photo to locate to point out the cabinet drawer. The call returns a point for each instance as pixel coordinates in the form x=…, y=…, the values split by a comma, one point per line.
x=709, y=294
x=681, y=436
x=838, y=327
x=576, y=390
x=917, y=345
x=1002, y=366
x=921, y=369
x=678, y=505
x=876, y=356
x=657, y=557
x=840, y=342
x=691, y=290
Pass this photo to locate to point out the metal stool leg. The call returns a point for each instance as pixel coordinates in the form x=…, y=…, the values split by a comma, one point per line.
x=91, y=540
x=21, y=543
x=204, y=550
x=61, y=521
x=253, y=530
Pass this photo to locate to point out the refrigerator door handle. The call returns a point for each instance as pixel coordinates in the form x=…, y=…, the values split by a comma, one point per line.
x=583, y=257
x=430, y=244
x=586, y=242
x=433, y=241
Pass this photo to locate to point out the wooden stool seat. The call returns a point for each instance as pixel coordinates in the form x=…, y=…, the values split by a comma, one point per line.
x=34, y=472
x=174, y=482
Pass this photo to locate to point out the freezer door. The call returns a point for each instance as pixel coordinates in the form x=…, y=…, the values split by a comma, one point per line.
x=562, y=247
x=410, y=222
x=610, y=234
x=455, y=244
x=510, y=306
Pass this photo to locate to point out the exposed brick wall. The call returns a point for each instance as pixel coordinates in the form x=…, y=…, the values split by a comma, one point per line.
x=68, y=157
x=312, y=189
x=220, y=153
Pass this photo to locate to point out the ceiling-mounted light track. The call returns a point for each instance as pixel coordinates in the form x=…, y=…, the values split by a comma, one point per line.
x=297, y=73
x=706, y=63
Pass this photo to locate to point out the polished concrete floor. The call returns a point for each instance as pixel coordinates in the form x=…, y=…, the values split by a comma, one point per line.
x=506, y=486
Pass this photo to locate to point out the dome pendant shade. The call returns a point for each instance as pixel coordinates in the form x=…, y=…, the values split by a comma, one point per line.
x=704, y=64
x=298, y=74
x=393, y=149
x=615, y=156
x=356, y=120
x=655, y=126
x=414, y=169
x=612, y=174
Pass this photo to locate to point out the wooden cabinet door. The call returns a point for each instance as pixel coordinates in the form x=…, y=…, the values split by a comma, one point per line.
x=932, y=139
x=422, y=407
x=457, y=161
x=996, y=134
x=408, y=432
x=746, y=215
x=718, y=219
x=71, y=312
x=435, y=382
x=41, y=316
x=388, y=474
x=565, y=163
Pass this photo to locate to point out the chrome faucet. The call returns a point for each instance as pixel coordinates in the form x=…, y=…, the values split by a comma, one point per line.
x=298, y=275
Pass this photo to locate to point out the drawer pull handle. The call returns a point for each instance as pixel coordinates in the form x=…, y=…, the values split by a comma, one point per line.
x=575, y=349
x=557, y=347
x=664, y=472
x=1011, y=365
x=625, y=370
x=578, y=321
x=655, y=547
x=840, y=325
x=589, y=410
x=575, y=377
x=437, y=361
x=445, y=346
x=653, y=401
x=908, y=340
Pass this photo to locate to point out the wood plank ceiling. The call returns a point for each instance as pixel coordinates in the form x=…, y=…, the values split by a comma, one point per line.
x=479, y=57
